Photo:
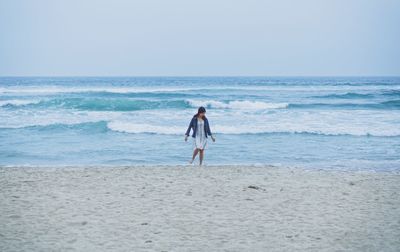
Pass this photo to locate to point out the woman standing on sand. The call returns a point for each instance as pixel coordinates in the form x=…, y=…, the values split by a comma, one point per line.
x=201, y=129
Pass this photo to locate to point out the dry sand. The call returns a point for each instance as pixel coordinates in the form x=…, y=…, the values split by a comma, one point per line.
x=230, y=208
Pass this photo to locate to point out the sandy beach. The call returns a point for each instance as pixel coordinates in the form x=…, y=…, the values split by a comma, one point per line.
x=213, y=208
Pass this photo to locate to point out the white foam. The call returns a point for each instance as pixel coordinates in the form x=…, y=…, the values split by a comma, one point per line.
x=337, y=122
x=245, y=105
x=17, y=102
x=27, y=118
x=356, y=123
x=144, y=128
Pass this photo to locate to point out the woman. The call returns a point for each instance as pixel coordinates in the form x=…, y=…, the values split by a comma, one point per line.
x=201, y=129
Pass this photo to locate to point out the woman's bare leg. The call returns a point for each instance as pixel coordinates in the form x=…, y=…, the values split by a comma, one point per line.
x=201, y=156
x=194, y=155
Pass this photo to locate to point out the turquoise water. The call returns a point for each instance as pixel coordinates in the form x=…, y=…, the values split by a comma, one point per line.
x=340, y=123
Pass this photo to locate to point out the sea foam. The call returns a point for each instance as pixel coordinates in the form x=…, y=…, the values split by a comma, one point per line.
x=243, y=104
x=17, y=102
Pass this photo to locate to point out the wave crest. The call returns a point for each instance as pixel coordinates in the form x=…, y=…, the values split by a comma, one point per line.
x=17, y=102
x=127, y=104
x=244, y=105
x=349, y=95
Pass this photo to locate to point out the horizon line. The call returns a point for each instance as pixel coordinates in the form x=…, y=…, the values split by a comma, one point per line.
x=187, y=76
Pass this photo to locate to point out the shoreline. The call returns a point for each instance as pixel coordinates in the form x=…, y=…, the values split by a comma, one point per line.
x=187, y=208
x=393, y=170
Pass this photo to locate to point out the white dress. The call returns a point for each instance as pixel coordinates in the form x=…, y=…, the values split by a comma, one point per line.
x=200, y=141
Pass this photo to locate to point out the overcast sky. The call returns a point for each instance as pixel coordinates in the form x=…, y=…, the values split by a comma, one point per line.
x=207, y=37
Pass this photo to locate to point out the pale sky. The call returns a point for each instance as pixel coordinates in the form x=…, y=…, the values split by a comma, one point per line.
x=207, y=37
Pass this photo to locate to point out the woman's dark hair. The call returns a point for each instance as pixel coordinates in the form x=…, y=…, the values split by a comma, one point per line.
x=200, y=110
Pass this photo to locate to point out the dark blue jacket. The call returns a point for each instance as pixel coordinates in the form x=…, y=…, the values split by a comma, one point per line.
x=193, y=125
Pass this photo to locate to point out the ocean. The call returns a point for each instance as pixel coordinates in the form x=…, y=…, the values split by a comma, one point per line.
x=312, y=122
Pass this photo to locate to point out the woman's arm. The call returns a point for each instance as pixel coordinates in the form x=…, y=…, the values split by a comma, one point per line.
x=208, y=130
x=190, y=126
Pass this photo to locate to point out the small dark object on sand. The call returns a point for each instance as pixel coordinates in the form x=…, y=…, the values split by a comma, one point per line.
x=256, y=187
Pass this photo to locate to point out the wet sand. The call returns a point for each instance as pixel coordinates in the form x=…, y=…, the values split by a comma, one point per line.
x=213, y=208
